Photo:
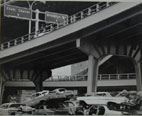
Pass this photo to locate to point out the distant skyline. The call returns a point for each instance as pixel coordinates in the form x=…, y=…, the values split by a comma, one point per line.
x=66, y=70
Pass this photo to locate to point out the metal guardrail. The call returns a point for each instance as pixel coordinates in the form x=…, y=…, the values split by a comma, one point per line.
x=68, y=78
x=116, y=76
x=101, y=77
x=72, y=19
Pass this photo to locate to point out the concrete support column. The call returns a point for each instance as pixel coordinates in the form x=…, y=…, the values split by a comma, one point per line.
x=92, y=75
x=1, y=89
x=39, y=77
x=139, y=76
x=39, y=85
x=1, y=94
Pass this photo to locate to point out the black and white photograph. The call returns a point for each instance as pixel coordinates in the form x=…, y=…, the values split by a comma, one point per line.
x=70, y=57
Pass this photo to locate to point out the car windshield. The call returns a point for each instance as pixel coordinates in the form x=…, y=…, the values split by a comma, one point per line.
x=101, y=94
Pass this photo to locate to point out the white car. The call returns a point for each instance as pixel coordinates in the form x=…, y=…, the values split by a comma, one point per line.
x=102, y=100
x=36, y=98
x=11, y=108
x=64, y=92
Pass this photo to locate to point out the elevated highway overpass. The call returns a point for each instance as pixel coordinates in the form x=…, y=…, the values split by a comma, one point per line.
x=104, y=80
x=98, y=31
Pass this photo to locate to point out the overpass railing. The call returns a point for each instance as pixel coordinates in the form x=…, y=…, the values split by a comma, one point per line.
x=101, y=77
x=116, y=76
x=52, y=27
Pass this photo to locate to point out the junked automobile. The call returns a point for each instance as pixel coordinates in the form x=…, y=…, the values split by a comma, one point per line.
x=14, y=108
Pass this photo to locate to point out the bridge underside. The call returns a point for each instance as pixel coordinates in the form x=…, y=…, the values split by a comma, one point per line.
x=122, y=31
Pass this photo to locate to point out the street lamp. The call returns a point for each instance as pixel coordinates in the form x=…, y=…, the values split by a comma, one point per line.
x=30, y=21
x=37, y=13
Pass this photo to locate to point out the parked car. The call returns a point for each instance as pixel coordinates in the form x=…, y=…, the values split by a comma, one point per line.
x=61, y=109
x=102, y=100
x=67, y=93
x=14, y=108
x=93, y=109
x=44, y=110
x=36, y=98
x=58, y=108
x=104, y=110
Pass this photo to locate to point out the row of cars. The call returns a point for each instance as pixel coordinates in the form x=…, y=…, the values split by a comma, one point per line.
x=43, y=96
x=101, y=103
x=59, y=102
x=15, y=108
x=69, y=107
x=34, y=104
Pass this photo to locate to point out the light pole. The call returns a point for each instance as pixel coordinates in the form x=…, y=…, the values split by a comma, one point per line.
x=37, y=16
x=30, y=21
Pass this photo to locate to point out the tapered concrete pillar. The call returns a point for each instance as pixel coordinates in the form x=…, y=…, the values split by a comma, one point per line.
x=40, y=77
x=92, y=75
x=138, y=68
x=38, y=85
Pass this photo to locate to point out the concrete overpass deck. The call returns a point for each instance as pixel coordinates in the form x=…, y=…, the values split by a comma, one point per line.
x=98, y=31
x=104, y=80
x=59, y=47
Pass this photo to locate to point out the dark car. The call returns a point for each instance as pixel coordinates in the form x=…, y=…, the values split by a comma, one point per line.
x=61, y=109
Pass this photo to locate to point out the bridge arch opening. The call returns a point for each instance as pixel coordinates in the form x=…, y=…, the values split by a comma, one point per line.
x=120, y=67
x=117, y=65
